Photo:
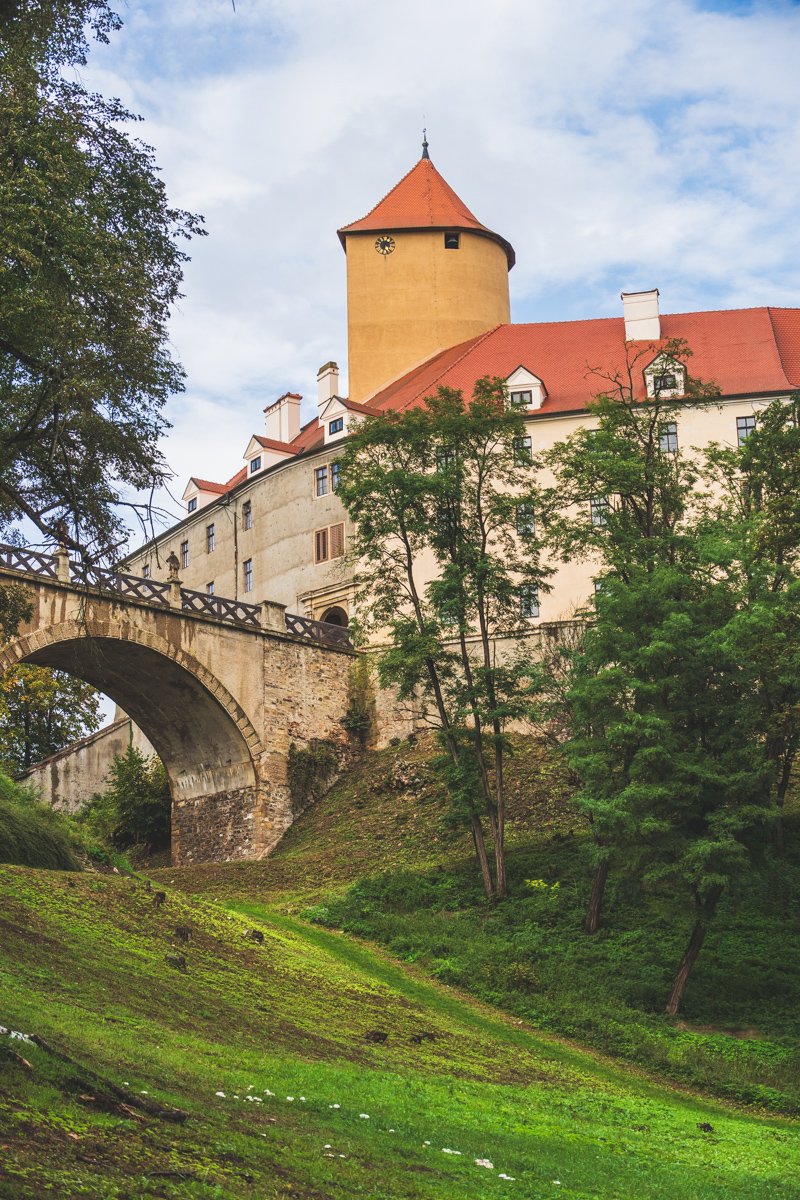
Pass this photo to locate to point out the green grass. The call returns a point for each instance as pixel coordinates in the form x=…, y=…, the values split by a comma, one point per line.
x=372, y=858
x=83, y=964
x=32, y=834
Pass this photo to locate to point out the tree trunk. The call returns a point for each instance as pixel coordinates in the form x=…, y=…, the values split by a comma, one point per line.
x=592, y=920
x=706, y=911
x=480, y=850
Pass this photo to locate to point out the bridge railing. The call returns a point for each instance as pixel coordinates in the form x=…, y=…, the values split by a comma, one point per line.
x=158, y=592
x=19, y=558
x=220, y=607
x=318, y=631
x=152, y=591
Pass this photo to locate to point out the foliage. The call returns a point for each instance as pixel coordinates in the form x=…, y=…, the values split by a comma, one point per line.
x=450, y=482
x=135, y=809
x=41, y=712
x=31, y=833
x=15, y=607
x=92, y=261
x=360, y=700
x=309, y=771
x=663, y=735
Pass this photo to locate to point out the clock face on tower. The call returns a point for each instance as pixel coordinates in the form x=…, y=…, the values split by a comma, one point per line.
x=384, y=244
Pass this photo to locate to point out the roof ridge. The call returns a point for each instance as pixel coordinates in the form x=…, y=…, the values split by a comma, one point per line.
x=385, y=196
x=470, y=346
x=778, y=345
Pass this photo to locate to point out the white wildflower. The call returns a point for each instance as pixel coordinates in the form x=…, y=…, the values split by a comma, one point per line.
x=302, y=1098
x=364, y=1116
x=446, y=1150
x=290, y=1099
x=334, y=1106
x=327, y=1154
x=144, y=1093
x=503, y=1175
x=267, y=1092
x=220, y=1094
x=484, y=1162
x=426, y=1143
x=342, y=1156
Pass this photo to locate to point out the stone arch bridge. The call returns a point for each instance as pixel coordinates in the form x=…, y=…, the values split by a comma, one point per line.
x=221, y=688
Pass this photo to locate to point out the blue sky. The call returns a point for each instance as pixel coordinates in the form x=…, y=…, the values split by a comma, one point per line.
x=624, y=145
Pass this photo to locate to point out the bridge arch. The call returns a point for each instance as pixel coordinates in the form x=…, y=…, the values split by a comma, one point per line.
x=204, y=738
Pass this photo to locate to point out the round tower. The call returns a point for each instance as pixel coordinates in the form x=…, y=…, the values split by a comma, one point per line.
x=423, y=274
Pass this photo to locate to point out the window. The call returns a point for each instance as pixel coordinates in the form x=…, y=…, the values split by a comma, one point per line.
x=247, y=515
x=184, y=554
x=522, y=451
x=247, y=569
x=192, y=505
x=525, y=519
x=336, y=425
x=668, y=437
x=336, y=540
x=146, y=571
x=528, y=601
x=329, y=543
x=210, y=539
x=598, y=509
x=452, y=241
x=321, y=481
x=210, y=588
x=255, y=464
x=520, y=399
x=744, y=427
x=666, y=382
x=336, y=475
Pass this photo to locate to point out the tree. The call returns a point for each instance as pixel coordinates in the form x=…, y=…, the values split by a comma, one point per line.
x=135, y=808
x=619, y=500
x=450, y=482
x=92, y=263
x=751, y=518
x=41, y=712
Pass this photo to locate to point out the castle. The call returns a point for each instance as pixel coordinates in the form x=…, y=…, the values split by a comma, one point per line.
x=428, y=306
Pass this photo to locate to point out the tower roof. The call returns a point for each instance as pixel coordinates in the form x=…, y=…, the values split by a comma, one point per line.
x=423, y=200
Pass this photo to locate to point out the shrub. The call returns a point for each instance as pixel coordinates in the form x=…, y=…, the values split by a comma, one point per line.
x=31, y=833
x=135, y=808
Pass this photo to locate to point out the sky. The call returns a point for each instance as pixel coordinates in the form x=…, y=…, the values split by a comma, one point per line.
x=618, y=146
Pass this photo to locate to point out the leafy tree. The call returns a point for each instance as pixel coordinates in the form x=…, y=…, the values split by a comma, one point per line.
x=751, y=519
x=619, y=500
x=450, y=483
x=135, y=808
x=41, y=712
x=92, y=263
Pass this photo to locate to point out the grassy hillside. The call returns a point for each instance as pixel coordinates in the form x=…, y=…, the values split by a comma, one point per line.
x=372, y=859
x=360, y=1075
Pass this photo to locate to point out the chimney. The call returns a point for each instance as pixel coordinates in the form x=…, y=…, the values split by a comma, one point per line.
x=640, y=310
x=282, y=417
x=327, y=382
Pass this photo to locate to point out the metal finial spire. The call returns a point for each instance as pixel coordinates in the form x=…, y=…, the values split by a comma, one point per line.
x=425, y=144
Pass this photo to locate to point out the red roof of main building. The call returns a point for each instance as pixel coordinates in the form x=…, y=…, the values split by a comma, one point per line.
x=744, y=351
x=423, y=200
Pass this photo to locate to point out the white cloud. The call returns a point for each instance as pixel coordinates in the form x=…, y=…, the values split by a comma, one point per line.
x=650, y=143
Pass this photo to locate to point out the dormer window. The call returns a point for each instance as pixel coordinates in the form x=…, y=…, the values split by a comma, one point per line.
x=336, y=425
x=525, y=390
x=255, y=464
x=192, y=505
x=452, y=241
x=665, y=378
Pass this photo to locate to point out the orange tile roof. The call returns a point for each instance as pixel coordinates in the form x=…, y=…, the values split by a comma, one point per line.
x=423, y=200
x=206, y=485
x=744, y=351
x=274, y=444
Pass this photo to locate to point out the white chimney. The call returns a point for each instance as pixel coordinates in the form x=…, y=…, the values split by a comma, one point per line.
x=640, y=310
x=327, y=382
x=282, y=418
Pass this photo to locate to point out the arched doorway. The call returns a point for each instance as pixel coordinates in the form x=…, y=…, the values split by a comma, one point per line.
x=336, y=616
